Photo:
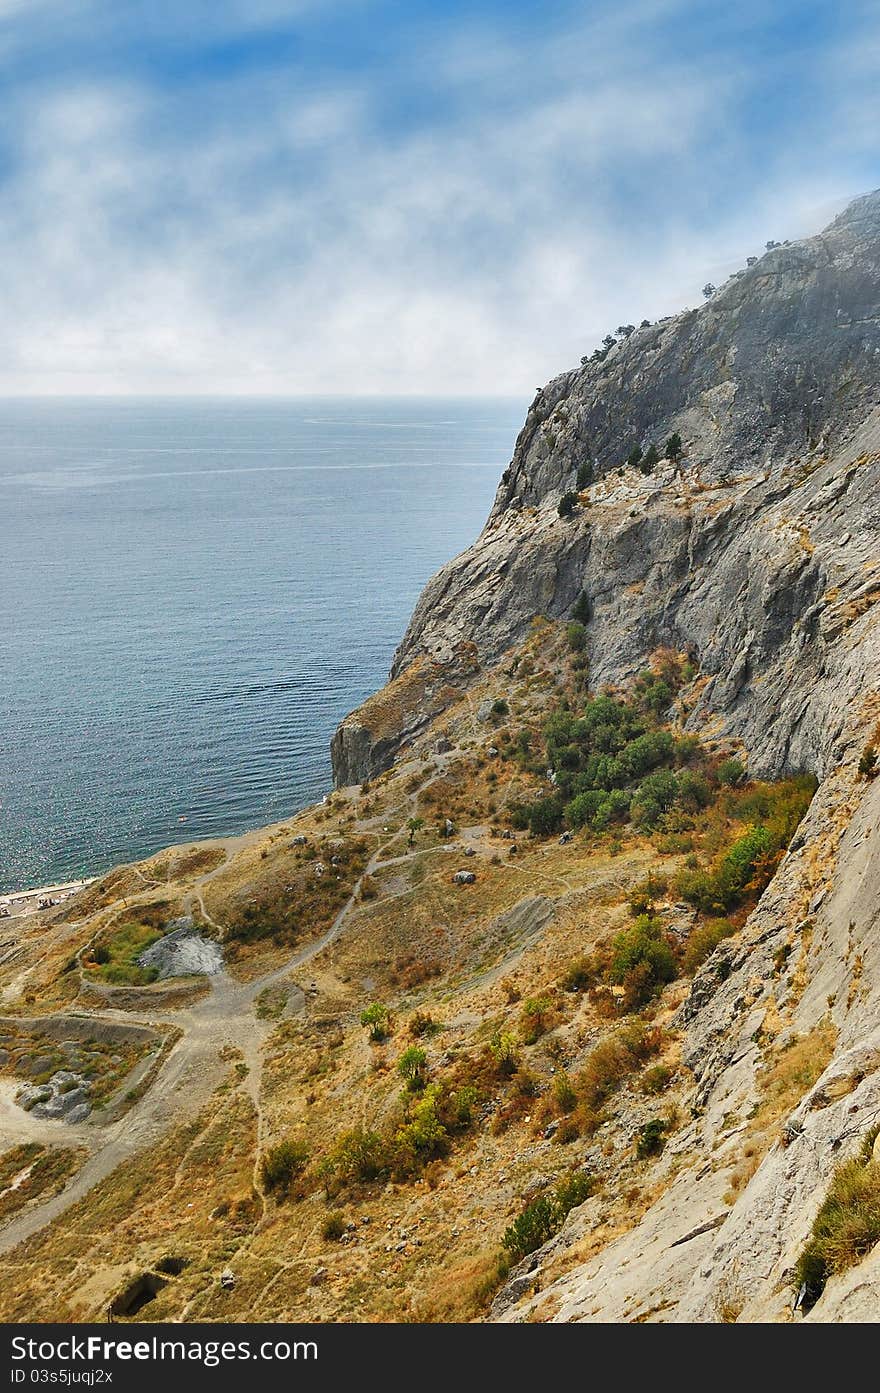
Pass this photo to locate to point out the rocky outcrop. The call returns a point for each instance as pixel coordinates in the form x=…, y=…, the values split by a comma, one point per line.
x=810, y=950
x=757, y=553
x=366, y=742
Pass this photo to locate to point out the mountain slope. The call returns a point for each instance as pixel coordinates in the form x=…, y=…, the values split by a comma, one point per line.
x=758, y=554
x=480, y=1045
x=757, y=551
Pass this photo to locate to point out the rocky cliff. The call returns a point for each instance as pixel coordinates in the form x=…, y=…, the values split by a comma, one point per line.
x=756, y=551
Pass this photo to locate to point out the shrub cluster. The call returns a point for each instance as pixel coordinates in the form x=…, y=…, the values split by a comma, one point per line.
x=544, y=1217
x=431, y=1116
x=614, y=762
x=847, y=1225
x=642, y=961
x=741, y=872
x=282, y=1163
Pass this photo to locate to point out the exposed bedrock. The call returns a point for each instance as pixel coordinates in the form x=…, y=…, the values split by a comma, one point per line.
x=758, y=551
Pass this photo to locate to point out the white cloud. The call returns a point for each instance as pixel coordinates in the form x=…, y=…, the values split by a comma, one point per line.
x=279, y=232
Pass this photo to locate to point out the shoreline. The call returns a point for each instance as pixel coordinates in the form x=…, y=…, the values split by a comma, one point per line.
x=29, y=901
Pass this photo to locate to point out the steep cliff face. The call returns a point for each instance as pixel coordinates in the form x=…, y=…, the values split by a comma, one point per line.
x=757, y=552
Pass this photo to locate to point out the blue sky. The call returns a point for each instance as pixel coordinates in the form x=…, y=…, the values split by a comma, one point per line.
x=286, y=196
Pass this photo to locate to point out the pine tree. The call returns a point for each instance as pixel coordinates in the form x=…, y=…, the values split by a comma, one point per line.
x=673, y=446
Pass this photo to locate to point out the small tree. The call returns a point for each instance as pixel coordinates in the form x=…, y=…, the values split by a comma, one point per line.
x=673, y=447
x=609, y=341
x=624, y=330
x=414, y=825
x=584, y=474
x=567, y=505
x=577, y=636
x=709, y=290
x=583, y=610
x=412, y=1066
x=868, y=762
x=751, y=261
x=650, y=459
x=634, y=458
x=282, y=1163
x=377, y=1019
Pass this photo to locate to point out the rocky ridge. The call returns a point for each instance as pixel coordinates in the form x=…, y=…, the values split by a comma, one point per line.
x=758, y=554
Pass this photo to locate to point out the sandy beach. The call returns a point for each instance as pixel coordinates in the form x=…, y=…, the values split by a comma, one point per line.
x=20, y=902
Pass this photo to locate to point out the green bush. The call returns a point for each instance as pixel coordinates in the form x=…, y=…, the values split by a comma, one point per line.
x=282, y=1163
x=847, y=1226
x=702, y=941
x=504, y=1052
x=544, y=817
x=422, y=1135
x=650, y=1139
x=694, y=792
x=567, y=505
x=730, y=772
x=642, y=960
x=460, y=1108
x=412, y=1066
x=576, y=635
x=744, y=869
x=584, y=475
x=532, y=1229
x=583, y=610
x=544, y=1217
x=359, y=1154
x=377, y=1019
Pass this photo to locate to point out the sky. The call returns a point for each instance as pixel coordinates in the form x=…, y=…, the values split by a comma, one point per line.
x=334, y=196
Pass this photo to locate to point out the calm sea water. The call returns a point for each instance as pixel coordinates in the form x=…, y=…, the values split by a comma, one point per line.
x=193, y=593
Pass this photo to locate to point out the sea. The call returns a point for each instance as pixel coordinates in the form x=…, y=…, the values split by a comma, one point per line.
x=193, y=592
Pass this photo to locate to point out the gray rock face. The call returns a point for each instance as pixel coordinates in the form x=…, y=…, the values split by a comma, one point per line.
x=779, y=361
x=65, y=1098
x=182, y=953
x=758, y=553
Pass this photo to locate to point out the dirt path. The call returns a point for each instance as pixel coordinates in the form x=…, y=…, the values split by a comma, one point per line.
x=185, y=1081
x=193, y=1067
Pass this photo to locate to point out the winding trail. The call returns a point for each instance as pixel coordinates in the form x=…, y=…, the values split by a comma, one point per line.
x=193, y=1067
x=187, y=1077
